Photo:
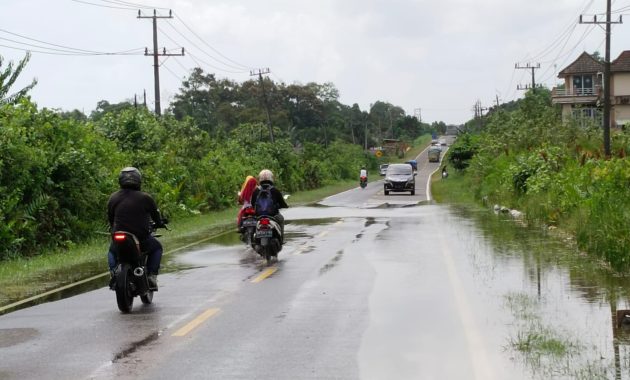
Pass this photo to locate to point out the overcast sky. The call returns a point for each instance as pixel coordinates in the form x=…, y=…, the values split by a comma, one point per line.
x=439, y=56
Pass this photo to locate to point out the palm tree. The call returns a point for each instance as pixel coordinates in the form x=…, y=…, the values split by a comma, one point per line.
x=8, y=76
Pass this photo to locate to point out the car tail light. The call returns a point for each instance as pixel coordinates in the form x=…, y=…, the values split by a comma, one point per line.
x=120, y=237
x=264, y=222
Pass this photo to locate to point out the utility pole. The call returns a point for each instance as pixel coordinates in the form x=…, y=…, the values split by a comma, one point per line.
x=606, y=83
x=478, y=109
x=418, y=114
x=532, y=67
x=260, y=73
x=156, y=54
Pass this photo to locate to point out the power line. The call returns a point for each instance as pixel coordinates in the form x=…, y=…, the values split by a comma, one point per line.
x=210, y=46
x=571, y=26
x=103, y=6
x=78, y=51
x=242, y=70
x=132, y=4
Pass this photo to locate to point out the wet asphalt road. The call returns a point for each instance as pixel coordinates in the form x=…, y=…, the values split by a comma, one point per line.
x=367, y=287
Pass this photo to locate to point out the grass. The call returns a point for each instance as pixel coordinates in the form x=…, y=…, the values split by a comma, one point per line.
x=454, y=189
x=24, y=277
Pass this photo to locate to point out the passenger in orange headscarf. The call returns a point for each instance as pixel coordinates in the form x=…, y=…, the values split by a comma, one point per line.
x=245, y=196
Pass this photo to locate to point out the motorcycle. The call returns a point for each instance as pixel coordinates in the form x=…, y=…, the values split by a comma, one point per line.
x=130, y=276
x=268, y=238
x=363, y=182
x=248, y=226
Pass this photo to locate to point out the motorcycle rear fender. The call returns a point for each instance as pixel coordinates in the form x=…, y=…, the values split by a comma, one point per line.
x=127, y=250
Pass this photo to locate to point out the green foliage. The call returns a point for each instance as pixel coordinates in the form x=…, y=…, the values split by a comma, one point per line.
x=527, y=158
x=462, y=151
x=57, y=172
x=8, y=76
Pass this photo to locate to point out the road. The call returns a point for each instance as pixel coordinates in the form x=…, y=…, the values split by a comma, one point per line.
x=367, y=287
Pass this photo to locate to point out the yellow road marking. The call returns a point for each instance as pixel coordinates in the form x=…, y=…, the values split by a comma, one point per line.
x=322, y=234
x=196, y=322
x=266, y=273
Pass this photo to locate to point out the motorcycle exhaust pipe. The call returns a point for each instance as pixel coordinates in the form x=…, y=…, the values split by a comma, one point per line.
x=138, y=272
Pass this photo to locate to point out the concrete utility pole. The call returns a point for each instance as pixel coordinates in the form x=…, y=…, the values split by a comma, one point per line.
x=418, y=114
x=478, y=109
x=532, y=67
x=607, y=107
x=260, y=73
x=156, y=54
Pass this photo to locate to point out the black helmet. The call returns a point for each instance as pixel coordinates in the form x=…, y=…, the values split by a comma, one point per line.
x=130, y=178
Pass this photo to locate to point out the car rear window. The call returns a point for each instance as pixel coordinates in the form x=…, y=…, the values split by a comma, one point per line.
x=399, y=169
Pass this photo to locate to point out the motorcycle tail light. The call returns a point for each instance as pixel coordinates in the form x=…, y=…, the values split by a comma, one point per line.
x=250, y=211
x=119, y=237
x=264, y=222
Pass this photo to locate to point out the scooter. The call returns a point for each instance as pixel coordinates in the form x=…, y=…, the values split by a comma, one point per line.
x=268, y=238
x=131, y=272
x=248, y=226
x=363, y=182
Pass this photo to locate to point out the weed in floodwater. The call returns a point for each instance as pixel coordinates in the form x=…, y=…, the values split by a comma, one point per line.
x=547, y=352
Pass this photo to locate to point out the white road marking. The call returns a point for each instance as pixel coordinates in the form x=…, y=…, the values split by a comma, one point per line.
x=482, y=370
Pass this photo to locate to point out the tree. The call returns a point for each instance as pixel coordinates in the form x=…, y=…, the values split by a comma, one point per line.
x=8, y=76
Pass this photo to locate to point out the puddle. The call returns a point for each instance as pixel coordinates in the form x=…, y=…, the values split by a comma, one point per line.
x=562, y=306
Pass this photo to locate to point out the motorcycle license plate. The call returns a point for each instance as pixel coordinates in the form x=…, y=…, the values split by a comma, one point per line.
x=249, y=223
x=264, y=234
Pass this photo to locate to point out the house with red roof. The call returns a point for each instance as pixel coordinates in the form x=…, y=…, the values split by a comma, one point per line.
x=581, y=93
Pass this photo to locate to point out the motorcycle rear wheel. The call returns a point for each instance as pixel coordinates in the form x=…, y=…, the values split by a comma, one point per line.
x=124, y=298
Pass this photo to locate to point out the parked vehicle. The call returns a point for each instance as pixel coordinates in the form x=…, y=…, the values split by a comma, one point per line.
x=434, y=154
x=131, y=272
x=399, y=178
x=383, y=169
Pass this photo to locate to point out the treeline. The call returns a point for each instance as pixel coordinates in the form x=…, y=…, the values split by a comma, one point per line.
x=526, y=157
x=57, y=169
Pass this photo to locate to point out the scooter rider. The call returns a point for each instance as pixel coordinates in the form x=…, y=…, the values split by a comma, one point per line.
x=265, y=180
x=132, y=210
x=363, y=174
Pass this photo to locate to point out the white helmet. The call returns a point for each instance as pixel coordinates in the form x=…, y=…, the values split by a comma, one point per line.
x=265, y=175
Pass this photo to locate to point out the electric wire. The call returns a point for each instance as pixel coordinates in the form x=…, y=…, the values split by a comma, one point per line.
x=209, y=55
x=210, y=46
x=66, y=48
x=103, y=5
x=190, y=53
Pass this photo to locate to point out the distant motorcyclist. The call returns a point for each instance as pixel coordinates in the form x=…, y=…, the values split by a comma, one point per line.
x=265, y=180
x=132, y=210
x=363, y=177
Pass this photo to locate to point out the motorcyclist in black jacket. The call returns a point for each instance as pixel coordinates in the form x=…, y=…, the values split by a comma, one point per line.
x=265, y=181
x=132, y=210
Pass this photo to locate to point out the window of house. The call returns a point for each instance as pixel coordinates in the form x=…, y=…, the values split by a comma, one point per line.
x=583, y=84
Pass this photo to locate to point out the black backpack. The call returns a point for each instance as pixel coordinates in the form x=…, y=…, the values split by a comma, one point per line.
x=264, y=202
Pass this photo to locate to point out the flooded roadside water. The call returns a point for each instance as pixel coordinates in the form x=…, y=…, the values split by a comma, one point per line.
x=560, y=306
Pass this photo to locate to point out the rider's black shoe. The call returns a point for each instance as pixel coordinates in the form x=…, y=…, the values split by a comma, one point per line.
x=152, y=281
